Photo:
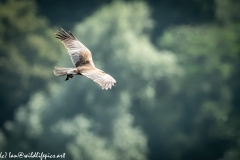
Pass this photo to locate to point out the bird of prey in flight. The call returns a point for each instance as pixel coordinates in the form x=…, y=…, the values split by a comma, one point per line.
x=82, y=60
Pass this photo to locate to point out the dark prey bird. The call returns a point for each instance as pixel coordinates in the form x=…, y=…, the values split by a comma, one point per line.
x=82, y=59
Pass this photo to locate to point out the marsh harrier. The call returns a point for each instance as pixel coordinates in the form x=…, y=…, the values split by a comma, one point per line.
x=82, y=59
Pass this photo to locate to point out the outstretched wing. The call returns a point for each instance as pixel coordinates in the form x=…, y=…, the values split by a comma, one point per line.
x=104, y=80
x=77, y=51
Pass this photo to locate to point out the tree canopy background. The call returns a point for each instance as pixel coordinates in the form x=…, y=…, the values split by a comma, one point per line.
x=177, y=67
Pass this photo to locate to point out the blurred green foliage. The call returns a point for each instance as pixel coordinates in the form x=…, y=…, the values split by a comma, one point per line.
x=28, y=51
x=176, y=100
x=209, y=56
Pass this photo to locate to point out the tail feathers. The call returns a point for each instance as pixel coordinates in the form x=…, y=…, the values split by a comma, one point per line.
x=62, y=71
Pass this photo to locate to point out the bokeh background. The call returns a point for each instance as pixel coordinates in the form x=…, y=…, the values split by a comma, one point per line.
x=177, y=67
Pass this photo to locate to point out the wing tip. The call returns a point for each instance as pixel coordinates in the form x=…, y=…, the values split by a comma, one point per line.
x=62, y=35
x=109, y=86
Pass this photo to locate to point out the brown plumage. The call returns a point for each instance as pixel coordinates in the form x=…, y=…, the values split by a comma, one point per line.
x=82, y=59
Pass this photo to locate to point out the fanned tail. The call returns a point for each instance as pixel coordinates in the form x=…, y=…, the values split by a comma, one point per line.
x=62, y=71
